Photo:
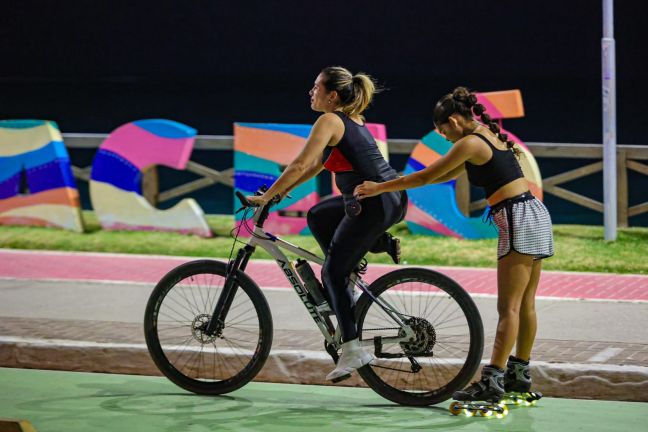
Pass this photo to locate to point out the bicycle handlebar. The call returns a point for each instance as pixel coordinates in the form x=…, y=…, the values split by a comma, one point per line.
x=244, y=201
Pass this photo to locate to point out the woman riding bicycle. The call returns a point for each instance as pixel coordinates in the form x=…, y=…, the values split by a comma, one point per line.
x=523, y=222
x=344, y=229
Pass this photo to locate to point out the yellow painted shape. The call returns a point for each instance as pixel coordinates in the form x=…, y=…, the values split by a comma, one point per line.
x=115, y=207
x=11, y=425
x=382, y=146
x=530, y=170
x=60, y=215
x=18, y=141
x=529, y=166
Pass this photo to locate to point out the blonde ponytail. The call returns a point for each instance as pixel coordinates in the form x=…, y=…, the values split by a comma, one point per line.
x=363, y=90
x=355, y=91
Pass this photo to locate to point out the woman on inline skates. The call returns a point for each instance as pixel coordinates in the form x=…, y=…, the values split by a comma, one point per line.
x=523, y=222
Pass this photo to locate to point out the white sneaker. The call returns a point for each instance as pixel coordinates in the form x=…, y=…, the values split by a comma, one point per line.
x=352, y=358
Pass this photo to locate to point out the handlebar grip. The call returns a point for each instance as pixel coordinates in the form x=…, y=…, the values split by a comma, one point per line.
x=244, y=200
x=246, y=203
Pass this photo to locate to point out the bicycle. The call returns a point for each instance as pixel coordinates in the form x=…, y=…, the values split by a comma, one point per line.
x=208, y=326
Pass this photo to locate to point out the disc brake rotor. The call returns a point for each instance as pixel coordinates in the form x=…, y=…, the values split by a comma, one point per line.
x=197, y=329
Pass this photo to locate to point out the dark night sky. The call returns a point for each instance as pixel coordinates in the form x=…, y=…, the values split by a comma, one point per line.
x=93, y=66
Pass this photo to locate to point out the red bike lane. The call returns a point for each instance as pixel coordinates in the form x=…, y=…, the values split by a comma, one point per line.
x=55, y=265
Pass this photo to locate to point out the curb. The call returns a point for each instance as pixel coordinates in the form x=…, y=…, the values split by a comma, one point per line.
x=566, y=380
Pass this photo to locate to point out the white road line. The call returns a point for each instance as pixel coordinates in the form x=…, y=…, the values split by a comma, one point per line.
x=604, y=355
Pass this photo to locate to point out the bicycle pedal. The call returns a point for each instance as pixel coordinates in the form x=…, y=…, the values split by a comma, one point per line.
x=341, y=378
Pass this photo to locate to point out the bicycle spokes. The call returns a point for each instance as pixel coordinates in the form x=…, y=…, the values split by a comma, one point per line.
x=181, y=325
x=433, y=350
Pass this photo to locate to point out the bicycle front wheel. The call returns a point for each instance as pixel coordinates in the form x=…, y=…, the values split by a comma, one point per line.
x=176, y=314
x=447, y=348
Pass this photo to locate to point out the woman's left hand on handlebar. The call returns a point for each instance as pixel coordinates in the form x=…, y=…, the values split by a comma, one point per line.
x=259, y=200
x=366, y=190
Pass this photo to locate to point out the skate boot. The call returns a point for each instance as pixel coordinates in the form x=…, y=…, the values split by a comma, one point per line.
x=352, y=358
x=517, y=383
x=482, y=397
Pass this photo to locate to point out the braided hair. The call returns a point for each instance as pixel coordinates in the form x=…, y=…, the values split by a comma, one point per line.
x=463, y=102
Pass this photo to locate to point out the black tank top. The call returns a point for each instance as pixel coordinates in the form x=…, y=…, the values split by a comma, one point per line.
x=356, y=158
x=502, y=168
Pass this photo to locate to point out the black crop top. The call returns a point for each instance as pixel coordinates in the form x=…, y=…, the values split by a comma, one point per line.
x=356, y=158
x=502, y=168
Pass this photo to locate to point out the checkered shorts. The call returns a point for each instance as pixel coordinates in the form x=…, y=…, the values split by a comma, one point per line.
x=524, y=226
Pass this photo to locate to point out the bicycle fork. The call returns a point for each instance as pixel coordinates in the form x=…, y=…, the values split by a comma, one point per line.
x=217, y=320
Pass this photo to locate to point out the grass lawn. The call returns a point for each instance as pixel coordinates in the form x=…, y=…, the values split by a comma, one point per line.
x=578, y=247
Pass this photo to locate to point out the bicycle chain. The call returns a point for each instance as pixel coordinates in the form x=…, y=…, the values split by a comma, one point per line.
x=390, y=368
x=384, y=328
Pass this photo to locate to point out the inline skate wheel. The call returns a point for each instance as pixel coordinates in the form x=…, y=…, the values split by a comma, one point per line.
x=485, y=412
x=456, y=408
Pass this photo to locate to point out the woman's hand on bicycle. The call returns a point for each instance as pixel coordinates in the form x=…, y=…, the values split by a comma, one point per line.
x=259, y=200
x=367, y=189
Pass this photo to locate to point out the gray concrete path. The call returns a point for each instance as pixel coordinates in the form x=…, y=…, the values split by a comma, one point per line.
x=98, y=327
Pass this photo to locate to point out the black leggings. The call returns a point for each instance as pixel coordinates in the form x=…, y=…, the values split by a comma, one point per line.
x=345, y=240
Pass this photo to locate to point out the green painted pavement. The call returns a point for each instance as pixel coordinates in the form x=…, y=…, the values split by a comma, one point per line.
x=75, y=401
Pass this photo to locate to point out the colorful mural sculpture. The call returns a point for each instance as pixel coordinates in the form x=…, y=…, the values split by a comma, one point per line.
x=260, y=152
x=433, y=209
x=116, y=179
x=37, y=186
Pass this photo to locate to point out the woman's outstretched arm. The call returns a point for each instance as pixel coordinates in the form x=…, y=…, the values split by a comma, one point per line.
x=439, y=171
x=310, y=172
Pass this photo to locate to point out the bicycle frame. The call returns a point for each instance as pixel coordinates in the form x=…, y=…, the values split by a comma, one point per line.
x=274, y=245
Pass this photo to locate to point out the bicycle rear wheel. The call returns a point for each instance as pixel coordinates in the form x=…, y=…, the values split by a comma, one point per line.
x=180, y=306
x=449, y=337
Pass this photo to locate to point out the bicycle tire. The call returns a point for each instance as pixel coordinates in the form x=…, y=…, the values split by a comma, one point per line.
x=444, y=375
x=186, y=297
